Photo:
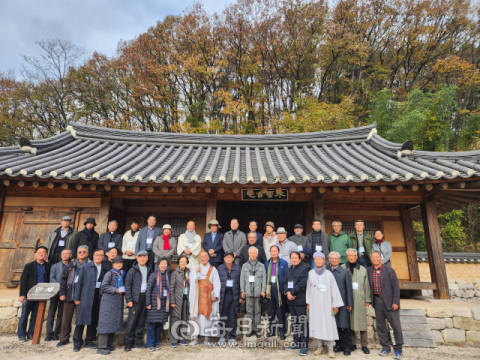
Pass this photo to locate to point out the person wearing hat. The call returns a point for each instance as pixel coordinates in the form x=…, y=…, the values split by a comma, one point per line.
x=59, y=239
x=179, y=293
x=270, y=238
x=304, y=246
x=323, y=300
x=135, y=293
x=234, y=240
x=128, y=245
x=110, y=318
x=230, y=299
x=165, y=245
x=88, y=236
x=35, y=272
x=213, y=244
x=111, y=238
x=275, y=269
x=286, y=246
x=252, y=241
x=294, y=288
x=146, y=238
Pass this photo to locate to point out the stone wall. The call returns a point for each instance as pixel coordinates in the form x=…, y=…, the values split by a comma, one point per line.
x=459, y=271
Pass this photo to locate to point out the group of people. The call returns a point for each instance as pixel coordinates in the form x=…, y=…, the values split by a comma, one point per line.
x=324, y=282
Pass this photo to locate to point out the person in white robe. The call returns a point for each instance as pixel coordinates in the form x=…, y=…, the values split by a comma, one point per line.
x=204, y=300
x=323, y=301
x=190, y=243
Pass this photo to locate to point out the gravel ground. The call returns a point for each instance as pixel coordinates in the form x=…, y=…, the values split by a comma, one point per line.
x=11, y=349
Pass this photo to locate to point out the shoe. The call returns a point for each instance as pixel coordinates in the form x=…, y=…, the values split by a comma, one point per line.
x=174, y=345
x=259, y=335
x=319, y=351
x=22, y=339
x=76, y=349
x=183, y=343
x=103, y=351
x=250, y=334
x=194, y=343
x=208, y=344
x=292, y=348
x=385, y=353
x=151, y=348
x=157, y=347
x=112, y=348
x=49, y=337
x=347, y=352
x=56, y=337
x=353, y=348
x=221, y=341
x=398, y=354
x=63, y=343
x=282, y=337
x=365, y=350
x=232, y=342
x=270, y=334
x=29, y=337
x=128, y=348
x=91, y=346
x=338, y=349
x=303, y=352
x=331, y=353
x=139, y=346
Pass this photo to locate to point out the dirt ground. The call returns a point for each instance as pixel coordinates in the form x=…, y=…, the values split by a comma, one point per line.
x=11, y=349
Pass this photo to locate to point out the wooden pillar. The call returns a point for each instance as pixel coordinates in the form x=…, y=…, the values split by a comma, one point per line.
x=211, y=207
x=434, y=247
x=3, y=191
x=318, y=211
x=104, y=212
x=410, y=247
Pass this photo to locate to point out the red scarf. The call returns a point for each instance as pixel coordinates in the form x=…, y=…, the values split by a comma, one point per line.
x=379, y=242
x=166, y=243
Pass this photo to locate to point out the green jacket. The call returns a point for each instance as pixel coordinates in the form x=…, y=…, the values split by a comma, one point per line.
x=340, y=244
x=367, y=242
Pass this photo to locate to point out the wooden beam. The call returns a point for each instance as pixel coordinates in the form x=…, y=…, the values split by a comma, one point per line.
x=438, y=273
x=399, y=188
x=293, y=190
x=367, y=189
x=351, y=189
x=249, y=191
x=336, y=189
x=51, y=185
x=93, y=187
x=459, y=185
x=65, y=186
x=107, y=187
x=472, y=184
x=235, y=190
x=411, y=285
x=21, y=183
x=221, y=190
x=211, y=207
x=322, y=189
x=193, y=189
x=264, y=190
x=78, y=186
x=208, y=189
x=122, y=188
x=428, y=187
x=150, y=189
x=104, y=212
x=6, y=182
x=318, y=209
x=414, y=187
x=165, y=189
x=179, y=189
x=3, y=192
x=441, y=186
x=35, y=184
x=278, y=190
x=410, y=245
x=308, y=189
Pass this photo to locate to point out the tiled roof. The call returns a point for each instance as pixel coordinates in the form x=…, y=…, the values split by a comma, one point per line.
x=341, y=156
x=473, y=258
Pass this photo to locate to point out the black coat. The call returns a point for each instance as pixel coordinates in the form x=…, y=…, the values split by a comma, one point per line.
x=154, y=315
x=67, y=282
x=344, y=283
x=235, y=276
x=29, y=276
x=390, y=286
x=244, y=257
x=299, y=275
x=133, y=283
x=105, y=238
x=85, y=290
x=81, y=239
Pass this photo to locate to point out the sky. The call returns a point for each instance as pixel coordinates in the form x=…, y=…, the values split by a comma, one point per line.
x=97, y=25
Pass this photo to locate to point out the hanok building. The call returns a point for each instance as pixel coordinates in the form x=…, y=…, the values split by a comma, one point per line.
x=290, y=178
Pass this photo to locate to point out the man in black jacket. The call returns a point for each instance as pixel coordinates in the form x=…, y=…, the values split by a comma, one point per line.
x=88, y=236
x=295, y=288
x=67, y=288
x=252, y=241
x=386, y=302
x=319, y=240
x=135, y=288
x=111, y=238
x=34, y=273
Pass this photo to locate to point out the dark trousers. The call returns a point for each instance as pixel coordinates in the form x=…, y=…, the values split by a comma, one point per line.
x=299, y=325
x=153, y=333
x=393, y=317
x=228, y=311
x=105, y=341
x=68, y=311
x=136, y=322
x=151, y=260
x=127, y=265
x=91, y=329
x=55, y=304
x=28, y=308
x=275, y=309
x=344, y=338
x=56, y=257
x=363, y=338
x=363, y=261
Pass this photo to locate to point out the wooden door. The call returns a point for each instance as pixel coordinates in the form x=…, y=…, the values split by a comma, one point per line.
x=10, y=226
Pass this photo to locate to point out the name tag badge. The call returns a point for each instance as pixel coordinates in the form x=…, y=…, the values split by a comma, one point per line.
x=280, y=256
x=382, y=256
x=130, y=245
x=230, y=283
x=111, y=245
x=61, y=243
x=149, y=240
x=290, y=284
x=323, y=288
x=76, y=278
x=362, y=249
x=300, y=247
x=185, y=291
x=164, y=292
x=144, y=287
x=318, y=247
x=98, y=284
x=121, y=289
x=251, y=278
x=355, y=286
x=273, y=279
x=190, y=246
